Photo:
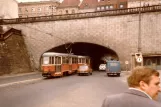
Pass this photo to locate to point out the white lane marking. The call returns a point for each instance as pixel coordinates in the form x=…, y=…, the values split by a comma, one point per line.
x=18, y=82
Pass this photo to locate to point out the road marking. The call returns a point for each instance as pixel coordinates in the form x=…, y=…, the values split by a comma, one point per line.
x=18, y=82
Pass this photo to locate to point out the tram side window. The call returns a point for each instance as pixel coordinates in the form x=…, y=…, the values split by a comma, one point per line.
x=51, y=60
x=83, y=60
x=73, y=60
x=65, y=60
x=79, y=60
x=57, y=60
x=69, y=60
x=76, y=60
x=87, y=61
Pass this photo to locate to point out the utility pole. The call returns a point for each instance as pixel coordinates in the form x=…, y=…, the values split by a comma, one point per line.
x=139, y=35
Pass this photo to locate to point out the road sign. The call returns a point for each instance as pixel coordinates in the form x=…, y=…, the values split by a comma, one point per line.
x=139, y=59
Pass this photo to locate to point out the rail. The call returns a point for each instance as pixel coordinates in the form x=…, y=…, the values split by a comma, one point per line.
x=115, y=12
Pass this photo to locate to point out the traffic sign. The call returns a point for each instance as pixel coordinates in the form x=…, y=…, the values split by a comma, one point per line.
x=139, y=59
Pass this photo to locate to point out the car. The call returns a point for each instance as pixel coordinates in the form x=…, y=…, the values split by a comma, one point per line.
x=113, y=68
x=102, y=67
x=84, y=69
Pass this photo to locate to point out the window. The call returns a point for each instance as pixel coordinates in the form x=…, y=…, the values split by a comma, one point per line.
x=66, y=11
x=33, y=9
x=158, y=60
x=20, y=10
x=98, y=8
x=86, y=5
x=73, y=11
x=51, y=60
x=121, y=6
x=111, y=7
x=60, y=11
x=26, y=9
x=57, y=60
x=39, y=9
x=102, y=8
x=45, y=60
x=107, y=7
x=47, y=8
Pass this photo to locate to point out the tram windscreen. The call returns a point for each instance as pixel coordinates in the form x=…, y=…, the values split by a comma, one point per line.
x=45, y=60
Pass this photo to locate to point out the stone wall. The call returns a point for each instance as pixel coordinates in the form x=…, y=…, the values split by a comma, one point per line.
x=119, y=33
x=14, y=57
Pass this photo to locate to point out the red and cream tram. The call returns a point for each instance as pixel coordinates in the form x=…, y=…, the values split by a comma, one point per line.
x=59, y=64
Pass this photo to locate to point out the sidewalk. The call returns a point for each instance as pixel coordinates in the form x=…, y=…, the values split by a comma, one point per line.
x=11, y=79
x=16, y=75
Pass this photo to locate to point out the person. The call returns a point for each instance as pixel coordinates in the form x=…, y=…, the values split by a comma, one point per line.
x=144, y=87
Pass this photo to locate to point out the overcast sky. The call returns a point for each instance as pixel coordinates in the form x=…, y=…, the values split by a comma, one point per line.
x=34, y=0
x=31, y=0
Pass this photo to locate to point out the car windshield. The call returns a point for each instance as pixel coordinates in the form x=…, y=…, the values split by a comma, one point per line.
x=83, y=67
x=103, y=65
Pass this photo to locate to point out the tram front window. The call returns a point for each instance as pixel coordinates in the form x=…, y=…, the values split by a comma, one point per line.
x=45, y=60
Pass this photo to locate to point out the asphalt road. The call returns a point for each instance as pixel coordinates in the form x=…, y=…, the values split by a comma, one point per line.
x=69, y=91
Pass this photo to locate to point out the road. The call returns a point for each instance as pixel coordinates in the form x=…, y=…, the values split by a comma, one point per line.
x=69, y=91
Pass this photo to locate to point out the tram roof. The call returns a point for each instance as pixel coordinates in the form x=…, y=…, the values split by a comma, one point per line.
x=61, y=54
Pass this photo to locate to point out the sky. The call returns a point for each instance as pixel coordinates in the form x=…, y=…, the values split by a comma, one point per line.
x=32, y=0
x=35, y=0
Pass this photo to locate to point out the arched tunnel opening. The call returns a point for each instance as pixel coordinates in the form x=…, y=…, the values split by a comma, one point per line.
x=98, y=54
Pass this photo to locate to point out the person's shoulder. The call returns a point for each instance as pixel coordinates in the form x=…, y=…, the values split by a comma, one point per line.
x=157, y=104
x=114, y=96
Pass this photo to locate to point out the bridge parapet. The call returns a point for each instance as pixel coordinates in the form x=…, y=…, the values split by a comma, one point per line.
x=115, y=12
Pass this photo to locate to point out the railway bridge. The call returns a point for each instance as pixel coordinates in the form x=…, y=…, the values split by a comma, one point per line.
x=101, y=35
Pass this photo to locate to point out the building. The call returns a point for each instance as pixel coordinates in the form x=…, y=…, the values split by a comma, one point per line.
x=138, y=3
x=42, y=8
x=88, y=6
x=8, y=9
x=102, y=5
x=111, y=4
x=68, y=7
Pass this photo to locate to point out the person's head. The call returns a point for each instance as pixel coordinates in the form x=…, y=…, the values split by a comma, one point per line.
x=146, y=79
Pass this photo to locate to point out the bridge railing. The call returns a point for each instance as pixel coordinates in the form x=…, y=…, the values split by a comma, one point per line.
x=115, y=12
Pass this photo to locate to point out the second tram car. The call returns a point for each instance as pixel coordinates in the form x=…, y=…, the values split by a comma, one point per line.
x=60, y=64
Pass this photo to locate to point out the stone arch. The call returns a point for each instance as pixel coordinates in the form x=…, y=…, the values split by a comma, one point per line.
x=98, y=53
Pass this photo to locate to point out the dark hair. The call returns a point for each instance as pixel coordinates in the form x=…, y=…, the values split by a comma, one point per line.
x=141, y=73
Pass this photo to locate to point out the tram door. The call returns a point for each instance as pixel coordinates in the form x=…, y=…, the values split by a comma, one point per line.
x=58, y=63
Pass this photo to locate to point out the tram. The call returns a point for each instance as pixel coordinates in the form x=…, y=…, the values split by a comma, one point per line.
x=59, y=64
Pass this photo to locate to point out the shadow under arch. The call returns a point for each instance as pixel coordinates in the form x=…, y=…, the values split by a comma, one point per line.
x=99, y=54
